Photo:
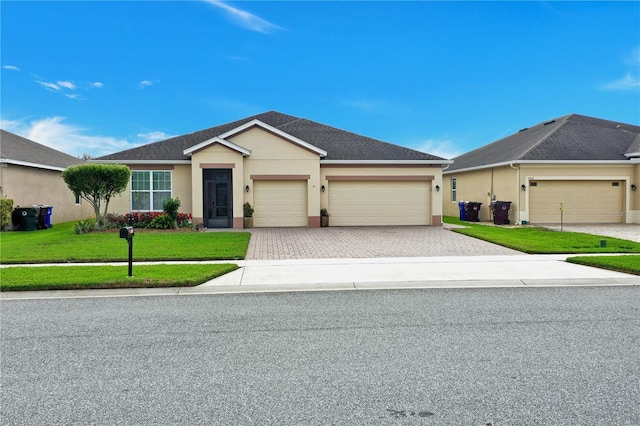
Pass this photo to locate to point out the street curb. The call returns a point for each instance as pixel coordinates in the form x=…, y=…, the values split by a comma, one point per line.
x=318, y=287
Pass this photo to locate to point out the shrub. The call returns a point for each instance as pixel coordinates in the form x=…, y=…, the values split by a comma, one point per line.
x=170, y=207
x=85, y=226
x=248, y=210
x=143, y=220
x=6, y=207
x=163, y=222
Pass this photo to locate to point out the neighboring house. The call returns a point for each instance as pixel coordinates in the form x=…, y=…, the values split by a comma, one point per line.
x=589, y=166
x=287, y=168
x=30, y=174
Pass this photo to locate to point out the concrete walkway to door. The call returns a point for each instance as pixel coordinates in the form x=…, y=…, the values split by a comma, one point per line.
x=366, y=242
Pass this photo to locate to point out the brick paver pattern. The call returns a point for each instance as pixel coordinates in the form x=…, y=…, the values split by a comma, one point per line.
x=366, y=242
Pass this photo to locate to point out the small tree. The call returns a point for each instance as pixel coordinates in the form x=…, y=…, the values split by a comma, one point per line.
x=97, y=183
x=170, y=207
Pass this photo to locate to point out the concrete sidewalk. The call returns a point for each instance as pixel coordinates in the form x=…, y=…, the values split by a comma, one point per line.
x=377, y=273
x=477, y=271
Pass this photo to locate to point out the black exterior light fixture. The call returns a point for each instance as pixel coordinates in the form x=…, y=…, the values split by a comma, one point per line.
x=437, y=188
x=246, y=188
x=322, y=188
x=524, y=187
x=633, y=187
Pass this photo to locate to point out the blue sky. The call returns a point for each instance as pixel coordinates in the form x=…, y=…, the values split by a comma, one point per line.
x=98, y=77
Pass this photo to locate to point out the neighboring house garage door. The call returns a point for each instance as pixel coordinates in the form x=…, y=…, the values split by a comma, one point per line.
x=582, y=201
x=280, y=203
x=374, y=203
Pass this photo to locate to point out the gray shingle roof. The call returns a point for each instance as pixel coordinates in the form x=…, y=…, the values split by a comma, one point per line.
x=17, y=148
x=573, y=137
x=339, y=144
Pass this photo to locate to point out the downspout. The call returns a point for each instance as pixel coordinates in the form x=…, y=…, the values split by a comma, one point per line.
x=517, y=190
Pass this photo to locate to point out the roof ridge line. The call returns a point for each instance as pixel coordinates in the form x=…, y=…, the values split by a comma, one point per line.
x=545, y=137
x=289, y=122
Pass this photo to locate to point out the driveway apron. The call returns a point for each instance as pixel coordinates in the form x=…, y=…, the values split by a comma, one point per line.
x=366, y=242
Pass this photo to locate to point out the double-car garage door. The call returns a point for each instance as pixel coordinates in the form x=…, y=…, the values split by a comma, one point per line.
x=376, y=203
x=591, y=201
x=283, y=203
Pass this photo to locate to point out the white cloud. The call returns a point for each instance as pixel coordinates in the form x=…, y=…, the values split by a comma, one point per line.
x=445, y=148
x=150, y=137
x=73, y=140
x=245, y=19
x=67, y=85
x=97, y=84
x=628, y=82
x=11, y=67
x=49, y=86
x=147, y=83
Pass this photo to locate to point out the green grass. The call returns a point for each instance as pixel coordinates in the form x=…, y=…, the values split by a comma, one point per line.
x=60, y=244
x=17, y=278
x=535, y=240
x=629, y=264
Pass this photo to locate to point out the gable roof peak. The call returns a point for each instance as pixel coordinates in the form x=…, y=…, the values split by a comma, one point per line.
x=572, y=137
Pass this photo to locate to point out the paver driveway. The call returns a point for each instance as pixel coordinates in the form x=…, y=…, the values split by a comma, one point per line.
x=366, y=242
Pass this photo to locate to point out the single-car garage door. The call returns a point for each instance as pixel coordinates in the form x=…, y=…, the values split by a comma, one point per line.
x=378, y=203
x=280, y=203
x=582, y=201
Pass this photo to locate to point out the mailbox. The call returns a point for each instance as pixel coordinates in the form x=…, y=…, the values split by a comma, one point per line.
x=126, y=232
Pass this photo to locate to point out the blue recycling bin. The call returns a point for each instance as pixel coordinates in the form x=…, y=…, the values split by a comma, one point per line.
x=47, y=219
x=463, y=211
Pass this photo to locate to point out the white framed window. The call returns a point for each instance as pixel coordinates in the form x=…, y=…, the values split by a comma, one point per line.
x=454, y=184
x=149, y=189
x=78, y=200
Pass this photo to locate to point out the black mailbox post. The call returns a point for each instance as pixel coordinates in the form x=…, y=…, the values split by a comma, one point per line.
x=128, y=233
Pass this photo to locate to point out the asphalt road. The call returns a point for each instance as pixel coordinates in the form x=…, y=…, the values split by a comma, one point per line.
x=561, y=356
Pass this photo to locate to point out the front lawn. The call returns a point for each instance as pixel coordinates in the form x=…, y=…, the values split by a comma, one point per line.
x=17, y=278
x=60, y=244
x=627, y=264
x=533, y=240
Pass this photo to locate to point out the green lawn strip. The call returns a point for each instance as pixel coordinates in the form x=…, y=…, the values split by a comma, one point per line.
x=60, y=244
x=17, y=278
x=535, y=240
x=629, y=264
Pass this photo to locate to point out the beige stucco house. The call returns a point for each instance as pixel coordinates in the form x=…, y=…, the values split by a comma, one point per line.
x=30, y=174
x=588, y=166
x=288, y=169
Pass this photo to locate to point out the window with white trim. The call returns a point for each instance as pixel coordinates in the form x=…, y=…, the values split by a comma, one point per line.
x=149, y=189
x=454, y=184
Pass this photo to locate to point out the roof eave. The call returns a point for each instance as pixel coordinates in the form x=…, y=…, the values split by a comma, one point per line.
x=387, y=162
x=29, y=164
x=140, y=161
x=507, y=163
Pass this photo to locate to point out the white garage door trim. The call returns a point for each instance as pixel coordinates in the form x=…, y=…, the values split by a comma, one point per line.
x=280, y=203
x=370, y=202
x=583, y=201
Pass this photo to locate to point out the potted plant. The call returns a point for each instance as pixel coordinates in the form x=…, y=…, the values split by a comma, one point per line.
x=324, y=218
x=248, y=215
